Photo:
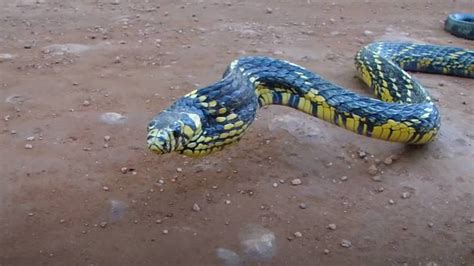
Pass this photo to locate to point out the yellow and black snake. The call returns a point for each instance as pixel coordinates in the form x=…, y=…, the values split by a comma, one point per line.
x=208, y=119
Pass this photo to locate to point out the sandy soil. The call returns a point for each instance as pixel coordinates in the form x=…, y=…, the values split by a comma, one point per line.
x=66, y=201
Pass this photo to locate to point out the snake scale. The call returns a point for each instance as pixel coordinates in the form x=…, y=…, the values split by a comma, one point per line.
x=210, y=118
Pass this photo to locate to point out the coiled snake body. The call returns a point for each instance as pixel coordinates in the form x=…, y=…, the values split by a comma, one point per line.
x=208, y=119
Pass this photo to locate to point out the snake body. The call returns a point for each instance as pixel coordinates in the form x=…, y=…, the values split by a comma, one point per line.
x=210, y=118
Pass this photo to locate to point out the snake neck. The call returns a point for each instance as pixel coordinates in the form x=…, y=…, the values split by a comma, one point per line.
x=414, y=121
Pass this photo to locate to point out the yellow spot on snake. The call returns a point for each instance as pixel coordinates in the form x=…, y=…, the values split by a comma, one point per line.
x=202, y=98
x=239, y=123
x=231, y=116
x=220, y=119
x=212, y=103
x=228, y=126
x=188, y=131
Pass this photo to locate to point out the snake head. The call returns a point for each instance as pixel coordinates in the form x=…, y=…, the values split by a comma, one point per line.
x=171, y=130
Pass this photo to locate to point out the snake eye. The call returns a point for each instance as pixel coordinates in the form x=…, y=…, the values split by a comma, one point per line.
x=176, y=133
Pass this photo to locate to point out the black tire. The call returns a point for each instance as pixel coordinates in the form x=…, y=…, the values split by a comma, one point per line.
x=460, y=25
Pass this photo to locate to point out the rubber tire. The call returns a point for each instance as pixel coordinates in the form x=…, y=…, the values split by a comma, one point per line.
x=460, y=25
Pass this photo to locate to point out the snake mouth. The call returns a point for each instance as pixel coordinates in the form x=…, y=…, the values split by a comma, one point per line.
x=158, y=144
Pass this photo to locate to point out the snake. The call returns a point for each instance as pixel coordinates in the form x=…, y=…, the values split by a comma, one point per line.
x=212, y=117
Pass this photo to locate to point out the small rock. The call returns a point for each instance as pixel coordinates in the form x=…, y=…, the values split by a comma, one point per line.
x=117, y=60
x=62, y=221
x=326, y=251
x=103, y=224
x=388, y=161
x=179, y=169
x=124, y=170
x=6, y=57
x=13, y=132
x=28, y=146
x=158, y=221
x=372, y=169
x=343, y=178
x=332, y=20
x=391, y=201
x=275, y=185
x=269, y=10
x=107, y=138
x=115, y=2
x=368, y=33
x=30, y=138
x=86, y=103
x=165, y=231
x=105, y=188
x=227, y=202
x=430, y=225
x=303, y=206
x=406, y=195
x=377, y=178
x=31, y=214
x=471, y=220
x=196, y=207
x=332, y=226
x=346, y=243
x=298, y=234
x=296, y=182
x=362, y=154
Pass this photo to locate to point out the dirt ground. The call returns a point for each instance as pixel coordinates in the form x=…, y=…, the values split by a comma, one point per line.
x=65, y=199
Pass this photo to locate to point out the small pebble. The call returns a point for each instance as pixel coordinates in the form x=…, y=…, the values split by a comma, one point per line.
x=388, y=161
x=179, y=169
x=405, y=195
x=124, y=170
x=326, y=251
x=391, y=201
x=298, y=234
x=62, y=221
x=165, y=232
x=227, y=201
x=275, y=185
x=13, y=132
x=196, y=207
x=332, y=226
x=117, y=60
x=362, y=154
x=368, y=33
x=303, y=206
x=343, y=178
x=269, y=10
x=31, y=214
x=28, y=146
x=158, y=221
x=377, y=178
x=86, y=103
x=471, y=220
x=296, y=182
x=106, y=138
x=372, y=169
x=30, y=138
x=346, y=243
x=430, y=225
x=105, y=188
x=103, y=224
